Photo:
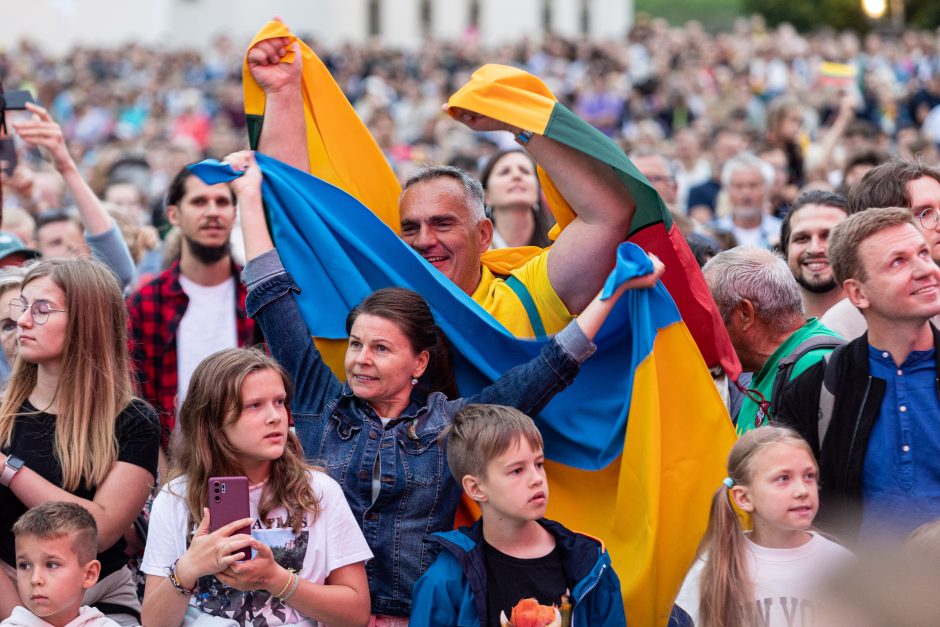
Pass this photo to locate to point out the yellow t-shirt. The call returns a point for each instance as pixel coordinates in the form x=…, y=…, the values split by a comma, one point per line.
x=495, y=296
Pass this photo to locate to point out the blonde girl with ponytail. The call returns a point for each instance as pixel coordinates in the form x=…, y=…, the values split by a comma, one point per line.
x=767, y=575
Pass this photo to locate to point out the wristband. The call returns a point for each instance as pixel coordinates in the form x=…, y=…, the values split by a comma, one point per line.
x=171, y=575
x=290, y=578
x=293, y=589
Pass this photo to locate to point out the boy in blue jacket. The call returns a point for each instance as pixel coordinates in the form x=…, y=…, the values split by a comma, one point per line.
x=512, y=552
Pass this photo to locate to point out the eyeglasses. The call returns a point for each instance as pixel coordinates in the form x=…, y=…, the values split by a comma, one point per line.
x=40, y=310
x=929, y=218
x=763, y=405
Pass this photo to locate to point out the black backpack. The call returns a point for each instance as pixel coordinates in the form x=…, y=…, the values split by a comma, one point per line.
x=826, y=397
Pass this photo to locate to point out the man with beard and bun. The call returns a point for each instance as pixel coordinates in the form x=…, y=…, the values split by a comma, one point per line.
x=804, y=238
x=748, y=180
x=194, y=308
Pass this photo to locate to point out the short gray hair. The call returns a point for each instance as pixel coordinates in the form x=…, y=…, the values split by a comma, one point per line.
x=472, y=188
x=645, y=151
x=747, y=160
x=758, y=275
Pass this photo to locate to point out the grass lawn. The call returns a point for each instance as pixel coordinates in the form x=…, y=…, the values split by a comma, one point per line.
x=713, y=14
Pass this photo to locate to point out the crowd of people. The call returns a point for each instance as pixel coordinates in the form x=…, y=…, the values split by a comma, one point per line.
x=153, y=344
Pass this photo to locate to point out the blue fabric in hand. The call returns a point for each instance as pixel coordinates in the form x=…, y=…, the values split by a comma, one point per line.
x=632, y=262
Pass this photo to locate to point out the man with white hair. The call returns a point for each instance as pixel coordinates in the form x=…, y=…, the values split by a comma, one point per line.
x=761, y=305
x=747, y=181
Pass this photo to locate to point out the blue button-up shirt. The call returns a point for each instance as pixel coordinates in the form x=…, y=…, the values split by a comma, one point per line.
x=901, y=475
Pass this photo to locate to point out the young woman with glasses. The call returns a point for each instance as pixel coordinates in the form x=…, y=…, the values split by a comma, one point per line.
x=70, y=427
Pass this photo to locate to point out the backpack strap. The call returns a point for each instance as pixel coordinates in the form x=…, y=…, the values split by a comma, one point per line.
x=785, y=365
x=522, y=292
x=827, y=398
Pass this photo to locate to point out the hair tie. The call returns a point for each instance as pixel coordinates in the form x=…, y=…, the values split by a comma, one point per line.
x=729, y=482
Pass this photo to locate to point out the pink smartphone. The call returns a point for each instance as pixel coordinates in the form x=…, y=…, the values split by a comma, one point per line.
x=228, y=502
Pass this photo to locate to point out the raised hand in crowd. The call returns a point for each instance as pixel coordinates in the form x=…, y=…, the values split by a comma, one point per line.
x=42, y=131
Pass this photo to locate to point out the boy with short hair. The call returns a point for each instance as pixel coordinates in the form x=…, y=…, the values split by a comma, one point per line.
x=56, y=545
x=512, y=552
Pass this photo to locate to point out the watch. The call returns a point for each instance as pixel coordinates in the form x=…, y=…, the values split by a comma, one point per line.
x=523, y=137
x=10, y=469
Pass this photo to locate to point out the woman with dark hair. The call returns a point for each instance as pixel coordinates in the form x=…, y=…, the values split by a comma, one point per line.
x=514, y=201
x=377, y=434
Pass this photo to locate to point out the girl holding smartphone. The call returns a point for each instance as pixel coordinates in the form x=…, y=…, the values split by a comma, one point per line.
x=308, y=552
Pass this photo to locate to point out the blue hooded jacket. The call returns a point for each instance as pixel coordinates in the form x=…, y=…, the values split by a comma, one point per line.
x=453, y=590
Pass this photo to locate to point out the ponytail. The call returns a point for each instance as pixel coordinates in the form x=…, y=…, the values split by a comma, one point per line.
x=439, y=375
x=725, y=591
x=726, y=588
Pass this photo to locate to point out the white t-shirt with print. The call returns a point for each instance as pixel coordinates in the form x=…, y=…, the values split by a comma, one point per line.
x=785, y=581
x=331, y=541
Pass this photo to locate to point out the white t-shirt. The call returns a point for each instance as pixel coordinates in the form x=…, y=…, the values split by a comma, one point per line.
x=207, y=326
x=785, y=581
x=331, y=541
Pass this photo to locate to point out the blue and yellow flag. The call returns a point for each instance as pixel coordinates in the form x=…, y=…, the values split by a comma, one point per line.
x=641, y=486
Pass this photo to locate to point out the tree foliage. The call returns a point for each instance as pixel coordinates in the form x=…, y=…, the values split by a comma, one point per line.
x=808, y=15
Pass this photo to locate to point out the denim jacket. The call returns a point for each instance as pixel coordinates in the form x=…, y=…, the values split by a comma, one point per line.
x=417, y=496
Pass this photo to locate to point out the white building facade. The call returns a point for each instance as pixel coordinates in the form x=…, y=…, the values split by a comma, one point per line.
x=60, y=24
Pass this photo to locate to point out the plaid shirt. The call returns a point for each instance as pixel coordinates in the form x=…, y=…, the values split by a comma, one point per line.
x=154, y=314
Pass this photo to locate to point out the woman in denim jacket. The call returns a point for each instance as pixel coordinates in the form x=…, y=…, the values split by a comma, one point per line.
x=377, y=434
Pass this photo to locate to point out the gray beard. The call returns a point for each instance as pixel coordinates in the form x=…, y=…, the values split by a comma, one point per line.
x=746, y=213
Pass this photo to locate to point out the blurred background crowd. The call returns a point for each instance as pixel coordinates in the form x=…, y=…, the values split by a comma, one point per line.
x=820, y=108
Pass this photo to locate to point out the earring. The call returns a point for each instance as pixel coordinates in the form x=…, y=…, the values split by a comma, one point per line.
x=414, y=382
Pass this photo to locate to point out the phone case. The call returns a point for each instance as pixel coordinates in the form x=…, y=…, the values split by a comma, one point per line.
x=8, y=155
x=228, y=502
x=17, y=98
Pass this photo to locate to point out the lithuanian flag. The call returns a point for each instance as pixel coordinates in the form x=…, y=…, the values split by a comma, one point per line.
x=642, y=486
x=516, y=97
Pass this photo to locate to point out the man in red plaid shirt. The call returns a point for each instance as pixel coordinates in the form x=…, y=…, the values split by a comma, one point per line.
x=194, y=308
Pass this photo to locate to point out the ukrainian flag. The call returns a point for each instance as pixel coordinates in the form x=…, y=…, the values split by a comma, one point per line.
x=643, y=487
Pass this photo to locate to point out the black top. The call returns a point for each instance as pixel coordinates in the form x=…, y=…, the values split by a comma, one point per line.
x=137, y=430
x=510, y=579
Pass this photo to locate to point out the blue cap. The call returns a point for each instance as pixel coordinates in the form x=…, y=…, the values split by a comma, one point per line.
x=10, y=244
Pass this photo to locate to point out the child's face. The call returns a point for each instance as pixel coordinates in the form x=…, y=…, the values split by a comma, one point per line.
x=783, y=496
x=515, y=486
x=50, y=579
x=260, y=433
